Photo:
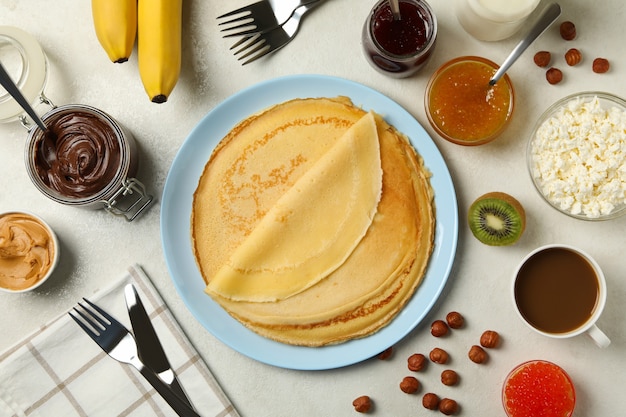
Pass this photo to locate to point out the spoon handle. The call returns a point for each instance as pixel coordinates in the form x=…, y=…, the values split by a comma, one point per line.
x=395, y=9
x=9, y=85
x=547, y=17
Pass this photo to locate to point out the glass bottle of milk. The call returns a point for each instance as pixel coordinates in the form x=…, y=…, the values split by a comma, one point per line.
x=493, y=20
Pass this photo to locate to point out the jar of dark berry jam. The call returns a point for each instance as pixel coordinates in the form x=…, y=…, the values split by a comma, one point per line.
x=399, y=47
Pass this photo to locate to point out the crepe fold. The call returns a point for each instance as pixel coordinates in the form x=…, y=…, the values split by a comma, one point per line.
x=313, y=222
x=331, y=206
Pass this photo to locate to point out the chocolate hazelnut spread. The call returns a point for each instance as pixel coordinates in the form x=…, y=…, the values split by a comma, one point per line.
x=27, y=251
x=84, y=155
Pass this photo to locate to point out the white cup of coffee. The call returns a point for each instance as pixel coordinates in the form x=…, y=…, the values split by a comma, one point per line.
x=560, y=291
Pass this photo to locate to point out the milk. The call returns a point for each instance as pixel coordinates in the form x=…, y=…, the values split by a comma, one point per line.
x=492, y=20
x=25, y=62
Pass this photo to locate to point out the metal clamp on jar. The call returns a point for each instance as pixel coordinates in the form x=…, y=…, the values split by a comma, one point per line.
x=86, y=158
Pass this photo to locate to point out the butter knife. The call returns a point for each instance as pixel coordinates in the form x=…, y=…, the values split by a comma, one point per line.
x=150, y=349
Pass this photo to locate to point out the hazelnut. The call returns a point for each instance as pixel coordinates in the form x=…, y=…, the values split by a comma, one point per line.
x=362, y=404
x=448, y=406
x=416, y=362
x=489, y=339
x=554, y=75
x=430, y=401
x=385, y=354
x=438, y=328
x=568, y=30
x=455, y=320
x=600, y=65
x=573, y=57
x=409, y=384
x=542, y=58
x=449, y=377
x=477, y=354
x=439, y=356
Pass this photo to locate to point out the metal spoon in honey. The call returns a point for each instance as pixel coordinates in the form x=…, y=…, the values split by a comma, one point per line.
x=547, y=17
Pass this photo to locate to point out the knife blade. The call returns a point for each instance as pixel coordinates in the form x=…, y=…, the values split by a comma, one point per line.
x=150, y=349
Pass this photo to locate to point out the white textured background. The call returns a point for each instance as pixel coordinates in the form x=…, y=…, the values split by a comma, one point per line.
x=97, y=247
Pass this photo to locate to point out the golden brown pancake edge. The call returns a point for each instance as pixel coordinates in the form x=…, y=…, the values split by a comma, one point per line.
x=412, y=193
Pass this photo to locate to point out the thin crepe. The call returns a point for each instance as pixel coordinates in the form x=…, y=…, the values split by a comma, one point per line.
x=332, y=205
x=243, y=180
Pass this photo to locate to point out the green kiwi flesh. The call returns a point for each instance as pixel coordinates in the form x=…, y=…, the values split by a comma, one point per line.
x=497, y=219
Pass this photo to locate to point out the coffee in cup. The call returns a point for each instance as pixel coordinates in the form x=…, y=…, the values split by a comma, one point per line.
x=560, y=291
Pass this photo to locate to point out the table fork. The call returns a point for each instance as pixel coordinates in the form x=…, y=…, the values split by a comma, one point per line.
x=261, y=16
x=118, y=343
x=260, y=44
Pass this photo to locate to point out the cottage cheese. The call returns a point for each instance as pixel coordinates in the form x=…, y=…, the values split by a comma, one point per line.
x=578, y=158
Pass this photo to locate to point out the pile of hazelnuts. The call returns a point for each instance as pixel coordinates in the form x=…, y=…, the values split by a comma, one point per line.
x=417, y=362
x=573, y=56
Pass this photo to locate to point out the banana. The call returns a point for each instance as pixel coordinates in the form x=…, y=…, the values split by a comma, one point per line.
x=115, y=22
x=159, y=46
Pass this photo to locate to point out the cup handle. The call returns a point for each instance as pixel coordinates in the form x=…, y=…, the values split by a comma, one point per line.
x=598, y=336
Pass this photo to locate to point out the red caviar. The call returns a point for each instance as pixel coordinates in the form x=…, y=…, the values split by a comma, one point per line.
x=538, y=389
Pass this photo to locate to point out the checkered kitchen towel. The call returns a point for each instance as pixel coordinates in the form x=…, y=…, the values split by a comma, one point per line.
x=60, y=371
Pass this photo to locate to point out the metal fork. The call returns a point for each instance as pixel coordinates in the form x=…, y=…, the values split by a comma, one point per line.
x=261, y=16
x=118, y=343
x=260, y=44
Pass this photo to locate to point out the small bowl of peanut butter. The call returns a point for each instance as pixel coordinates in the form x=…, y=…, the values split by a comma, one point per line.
x=29, y=251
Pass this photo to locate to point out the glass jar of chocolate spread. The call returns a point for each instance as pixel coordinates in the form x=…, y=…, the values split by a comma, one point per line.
x=86, y=158
x=399, y=47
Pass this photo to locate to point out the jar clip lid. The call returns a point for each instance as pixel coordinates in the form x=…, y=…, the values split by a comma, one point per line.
x=129, y=201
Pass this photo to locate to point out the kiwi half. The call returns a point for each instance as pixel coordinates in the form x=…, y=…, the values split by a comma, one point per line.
x=497, y=219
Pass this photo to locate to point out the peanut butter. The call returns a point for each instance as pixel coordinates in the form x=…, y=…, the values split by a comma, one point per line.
x=27, y=251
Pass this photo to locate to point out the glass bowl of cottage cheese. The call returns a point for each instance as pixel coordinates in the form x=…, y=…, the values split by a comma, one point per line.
x=577, y=156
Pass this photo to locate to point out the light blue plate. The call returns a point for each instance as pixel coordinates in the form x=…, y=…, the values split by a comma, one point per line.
x=176, y=211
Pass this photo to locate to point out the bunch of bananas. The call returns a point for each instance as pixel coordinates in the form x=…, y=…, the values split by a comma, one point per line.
x=158, y=24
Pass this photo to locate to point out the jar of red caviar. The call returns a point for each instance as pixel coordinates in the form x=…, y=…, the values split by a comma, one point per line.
x=399, y=47
x=538, y=388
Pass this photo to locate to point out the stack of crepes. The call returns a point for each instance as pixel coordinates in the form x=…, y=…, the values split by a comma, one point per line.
x=313, y=222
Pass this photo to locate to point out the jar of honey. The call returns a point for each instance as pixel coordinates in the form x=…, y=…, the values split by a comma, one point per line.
x=463, y=107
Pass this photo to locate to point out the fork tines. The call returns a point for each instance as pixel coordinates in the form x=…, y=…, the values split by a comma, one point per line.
x=243, y=21
x=246, y=26
x=89, y=321
x=256, y=44
x=251, y=44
